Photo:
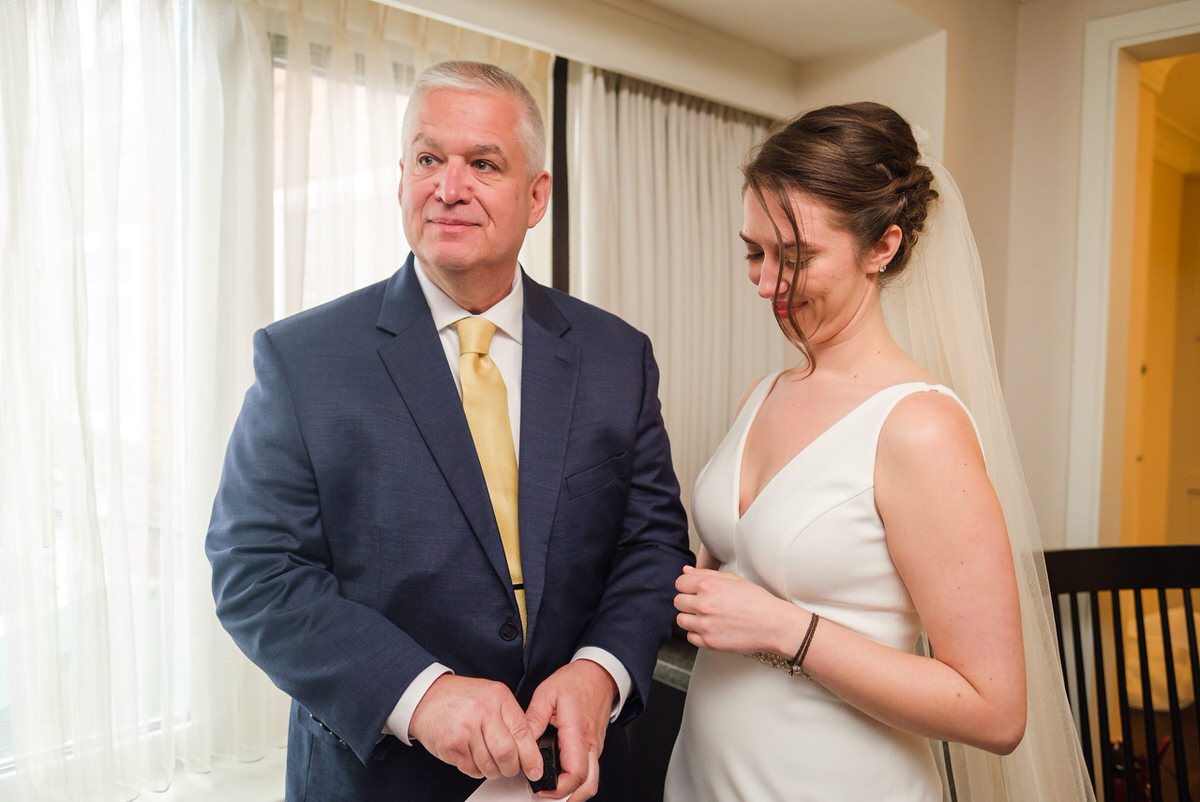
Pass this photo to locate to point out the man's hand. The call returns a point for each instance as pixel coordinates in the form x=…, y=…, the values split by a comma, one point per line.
x=578, y=700
x=476, y=725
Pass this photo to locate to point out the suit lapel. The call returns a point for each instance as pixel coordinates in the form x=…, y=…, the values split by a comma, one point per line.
x=549, y=376
x=415, y=360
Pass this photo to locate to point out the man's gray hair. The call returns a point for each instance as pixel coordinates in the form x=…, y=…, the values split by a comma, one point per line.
x=476, y=76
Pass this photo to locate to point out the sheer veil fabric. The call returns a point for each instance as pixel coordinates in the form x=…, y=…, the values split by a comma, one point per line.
x=936, y=311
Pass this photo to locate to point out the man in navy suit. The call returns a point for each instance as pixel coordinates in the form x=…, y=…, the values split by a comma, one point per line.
x=356, y=555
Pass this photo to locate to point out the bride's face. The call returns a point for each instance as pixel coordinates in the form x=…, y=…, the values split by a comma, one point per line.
x=834, y=285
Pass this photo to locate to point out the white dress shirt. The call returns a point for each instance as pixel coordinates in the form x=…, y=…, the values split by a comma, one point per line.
x=505, y=350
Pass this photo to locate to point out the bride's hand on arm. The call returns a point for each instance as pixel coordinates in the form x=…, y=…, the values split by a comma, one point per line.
x=724, y=612
x=946, y=535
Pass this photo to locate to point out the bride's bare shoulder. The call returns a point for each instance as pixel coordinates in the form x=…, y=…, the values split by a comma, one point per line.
x=928, y=425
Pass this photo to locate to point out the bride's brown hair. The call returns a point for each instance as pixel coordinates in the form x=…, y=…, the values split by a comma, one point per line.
x=861, y=162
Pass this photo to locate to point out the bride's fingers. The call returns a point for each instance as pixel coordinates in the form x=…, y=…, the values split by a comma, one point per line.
x=692, y=581
x=686, y=603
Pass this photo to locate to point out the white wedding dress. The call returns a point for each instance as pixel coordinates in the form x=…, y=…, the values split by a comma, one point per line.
x=813, y=536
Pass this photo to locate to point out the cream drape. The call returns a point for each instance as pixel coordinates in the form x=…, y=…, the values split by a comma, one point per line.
x=126, y=279
x=655, y=209
x=167, y=189
x=222, y=294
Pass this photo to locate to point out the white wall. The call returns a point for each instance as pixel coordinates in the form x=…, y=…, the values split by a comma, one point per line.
x=979, y=79
x=911, y=78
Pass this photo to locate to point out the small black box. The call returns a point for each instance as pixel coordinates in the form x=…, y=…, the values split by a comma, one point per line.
x=548, y=746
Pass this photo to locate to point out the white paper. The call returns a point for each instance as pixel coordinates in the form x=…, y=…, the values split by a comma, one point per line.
x=506, y=789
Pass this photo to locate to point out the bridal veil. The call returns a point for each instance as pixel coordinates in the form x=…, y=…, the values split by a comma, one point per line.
x=936, y=311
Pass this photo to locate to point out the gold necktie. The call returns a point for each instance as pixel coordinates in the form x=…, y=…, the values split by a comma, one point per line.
x=485, y=402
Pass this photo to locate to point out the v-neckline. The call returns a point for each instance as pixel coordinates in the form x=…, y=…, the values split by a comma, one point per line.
x=741, y=453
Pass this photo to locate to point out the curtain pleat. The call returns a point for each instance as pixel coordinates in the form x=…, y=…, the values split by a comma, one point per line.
x=656, y=206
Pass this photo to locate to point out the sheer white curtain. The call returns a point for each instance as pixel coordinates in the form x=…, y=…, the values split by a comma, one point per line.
x=656, y=204
x=223, y=293
x=130, y=288
x=146, y=229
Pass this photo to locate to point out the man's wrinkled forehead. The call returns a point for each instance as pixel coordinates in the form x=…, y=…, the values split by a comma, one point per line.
x=424, y=140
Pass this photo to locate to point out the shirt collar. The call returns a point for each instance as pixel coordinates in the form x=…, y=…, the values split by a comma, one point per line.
x=507, y=313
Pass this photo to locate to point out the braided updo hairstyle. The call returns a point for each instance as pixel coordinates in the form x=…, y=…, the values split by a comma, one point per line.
x=861, y=162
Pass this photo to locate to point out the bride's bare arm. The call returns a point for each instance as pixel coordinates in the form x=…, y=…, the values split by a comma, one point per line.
x=947, y=539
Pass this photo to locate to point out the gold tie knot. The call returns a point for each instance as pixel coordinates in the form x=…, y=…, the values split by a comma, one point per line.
x=474, y=335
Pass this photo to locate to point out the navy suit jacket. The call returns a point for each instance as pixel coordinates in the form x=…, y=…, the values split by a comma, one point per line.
x=353, y=541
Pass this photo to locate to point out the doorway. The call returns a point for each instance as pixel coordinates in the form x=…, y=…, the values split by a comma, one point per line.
x=1150, y=482
x=1114, y=50
x=1154, y=303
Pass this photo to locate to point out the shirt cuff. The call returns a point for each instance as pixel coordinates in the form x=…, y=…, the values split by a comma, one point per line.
x=615, y=669
x=402, y=713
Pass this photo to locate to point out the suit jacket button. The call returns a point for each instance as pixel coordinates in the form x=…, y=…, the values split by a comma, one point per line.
x=508, y=630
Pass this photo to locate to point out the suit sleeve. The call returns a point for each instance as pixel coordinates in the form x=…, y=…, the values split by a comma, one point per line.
x=637, y=608
x=272, y=581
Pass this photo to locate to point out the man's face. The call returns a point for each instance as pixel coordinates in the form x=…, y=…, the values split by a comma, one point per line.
x=465, y=191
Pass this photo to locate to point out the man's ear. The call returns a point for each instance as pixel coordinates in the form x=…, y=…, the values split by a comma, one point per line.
x=400, y=184
x=539, y=189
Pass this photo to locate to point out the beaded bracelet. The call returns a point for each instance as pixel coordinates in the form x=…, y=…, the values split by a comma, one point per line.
x=796, y=664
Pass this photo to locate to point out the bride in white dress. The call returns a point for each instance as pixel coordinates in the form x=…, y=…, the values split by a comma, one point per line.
x=850, y=509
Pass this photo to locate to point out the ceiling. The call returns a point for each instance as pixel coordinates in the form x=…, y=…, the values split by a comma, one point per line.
x=800, y=30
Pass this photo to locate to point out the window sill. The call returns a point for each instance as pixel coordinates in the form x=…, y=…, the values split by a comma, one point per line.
x=229, y=781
